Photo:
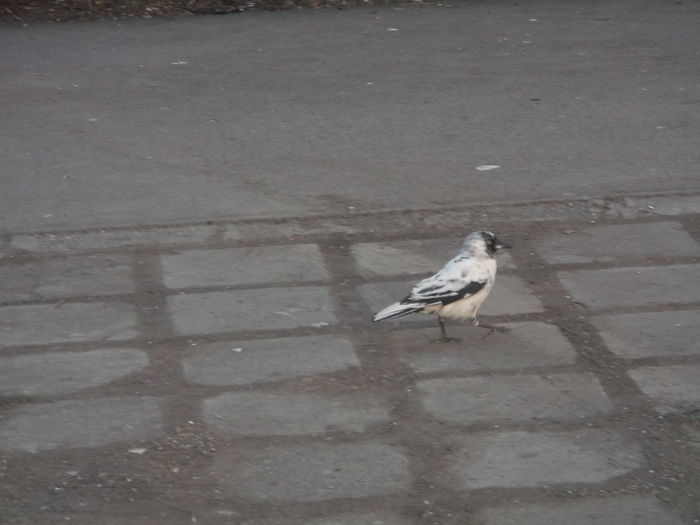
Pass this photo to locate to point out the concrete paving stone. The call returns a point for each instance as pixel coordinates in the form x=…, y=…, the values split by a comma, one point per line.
x=245, y=362
x=81, y=423
x=556, y=397
x=510, y=296
x=653, y=334
x=69, y=322
x=98, y=240
x=618, y=242
x=261, y=309
x=350, y=518
x=639, y=286
x=413, y=257
x=260, y=413
x=527, y=344
x=109, y=515
x=668, y=206
x=315, y=472
x=291, y=228
x=383, y=518
x=671, y=388
x=63, y=372
x=66, y=277
x=243, y=266
x=522, y=459
x=619, y=510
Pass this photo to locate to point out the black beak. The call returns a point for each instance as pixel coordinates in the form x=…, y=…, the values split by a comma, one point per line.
x=500, y=245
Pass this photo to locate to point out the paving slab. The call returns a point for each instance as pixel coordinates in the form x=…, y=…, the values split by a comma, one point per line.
x=244, y=266
x=671, y=388
x=314, y=472
x=108, y=514
x=347, y=225
x=555, y=397
x=668, y=205
x=107, y=239
x=375, y=518
x=636, y=286
x=414, y=257
x=66, y=277
x=651, y=334
x=510, y=296
x=618, y=510
x=66, y=322
x=261, y=413
x=349, y=518
x=528, y=344
x=618, y=242
x=528, y=459
x=107, y=517
x=239, y=362
x=80, y=423
x=63, y=372
x=260, y=309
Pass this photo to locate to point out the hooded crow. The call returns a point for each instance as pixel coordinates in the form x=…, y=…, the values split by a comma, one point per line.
x=458, y=289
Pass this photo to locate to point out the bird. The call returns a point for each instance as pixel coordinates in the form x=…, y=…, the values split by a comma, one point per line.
x=458, y=289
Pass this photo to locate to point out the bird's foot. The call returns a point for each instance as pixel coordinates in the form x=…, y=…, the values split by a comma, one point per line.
x=447, y=340
x=491, y=329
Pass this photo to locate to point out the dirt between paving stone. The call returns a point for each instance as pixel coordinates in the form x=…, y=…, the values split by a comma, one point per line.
x=172, y=481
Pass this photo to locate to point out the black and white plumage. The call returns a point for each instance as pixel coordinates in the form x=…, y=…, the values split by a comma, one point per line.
x=458, y=289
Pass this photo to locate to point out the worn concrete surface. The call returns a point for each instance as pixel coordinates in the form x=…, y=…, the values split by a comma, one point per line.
x=317, y=112
x=213, y=362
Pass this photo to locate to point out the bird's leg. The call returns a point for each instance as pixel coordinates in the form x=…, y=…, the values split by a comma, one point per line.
x=444, y=338
x=491, y=328
x=442, y=329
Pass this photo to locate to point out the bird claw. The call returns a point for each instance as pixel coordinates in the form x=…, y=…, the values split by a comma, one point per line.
x=492, y=329
x=447, y=340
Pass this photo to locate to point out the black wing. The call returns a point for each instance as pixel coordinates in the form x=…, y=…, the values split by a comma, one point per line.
x=444, y=292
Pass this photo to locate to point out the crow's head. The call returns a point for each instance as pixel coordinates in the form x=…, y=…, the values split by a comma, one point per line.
x=483, y=242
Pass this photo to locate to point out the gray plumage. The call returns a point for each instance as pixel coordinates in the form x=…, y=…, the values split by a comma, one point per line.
x=459, y=289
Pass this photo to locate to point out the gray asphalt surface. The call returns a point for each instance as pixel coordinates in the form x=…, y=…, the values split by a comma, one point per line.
x=318, y=112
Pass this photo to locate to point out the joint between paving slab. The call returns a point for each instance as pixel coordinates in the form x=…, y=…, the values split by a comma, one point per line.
x=155, y=321
x=386, y=366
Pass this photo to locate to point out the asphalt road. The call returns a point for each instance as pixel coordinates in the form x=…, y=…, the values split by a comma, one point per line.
x=323, y=111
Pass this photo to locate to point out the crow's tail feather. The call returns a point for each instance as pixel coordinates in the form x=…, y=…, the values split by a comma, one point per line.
x=397, y=310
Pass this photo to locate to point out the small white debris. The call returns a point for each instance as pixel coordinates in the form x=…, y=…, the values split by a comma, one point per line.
x=534, y=20
x=237, y=349
x=180, y=63
x=369, y=83
x=487, y=167
x=651, y=207
x=137, y=450
x=569, y=232
x=72, y=472
x=93, y=119
x=175, y=470
x=319, y=325
x=392, y=29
